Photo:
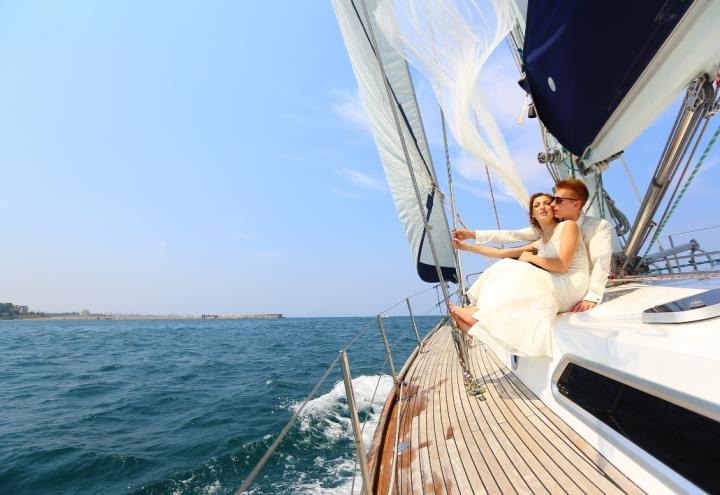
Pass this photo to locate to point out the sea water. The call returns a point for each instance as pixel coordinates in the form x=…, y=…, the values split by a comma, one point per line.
x=180, y=407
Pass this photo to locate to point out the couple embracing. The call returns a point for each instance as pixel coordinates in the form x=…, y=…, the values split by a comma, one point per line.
x=563, y=268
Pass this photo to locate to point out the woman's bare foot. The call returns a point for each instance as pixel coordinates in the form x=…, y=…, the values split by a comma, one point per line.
x=463, y=315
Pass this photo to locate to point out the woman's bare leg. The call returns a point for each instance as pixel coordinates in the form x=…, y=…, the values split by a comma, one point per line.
x=463, y=326
x=463, y=315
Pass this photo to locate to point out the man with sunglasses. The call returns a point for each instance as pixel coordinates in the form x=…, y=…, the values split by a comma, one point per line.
x=570, y=197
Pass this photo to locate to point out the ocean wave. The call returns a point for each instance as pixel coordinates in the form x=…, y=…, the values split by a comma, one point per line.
x=328, y=413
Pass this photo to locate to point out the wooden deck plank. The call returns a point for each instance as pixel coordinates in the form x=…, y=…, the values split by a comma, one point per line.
x=429, y=479
x=502, y=453
x=559, y=461
x=438, y=451
x=509, y=443
x=449, y=427
x=415, y=456
x=408, y=474
x=584, y=475
x=479, y=471
x=592, y=456
x=556, y=437
x=540, y=468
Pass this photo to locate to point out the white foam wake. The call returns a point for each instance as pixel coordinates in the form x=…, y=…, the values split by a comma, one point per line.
x=328, y=415
x=332, y=407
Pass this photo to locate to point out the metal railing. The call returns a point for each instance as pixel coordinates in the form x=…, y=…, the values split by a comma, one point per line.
x=342, y=359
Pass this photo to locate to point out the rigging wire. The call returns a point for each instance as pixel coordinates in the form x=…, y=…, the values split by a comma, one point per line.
x=492, y=197
x=451, y=187
x=631, y=179
x=487, y=172
x=410, y=297
x=695, y=230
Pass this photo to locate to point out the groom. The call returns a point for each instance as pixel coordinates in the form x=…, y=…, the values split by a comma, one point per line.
x=570, y=197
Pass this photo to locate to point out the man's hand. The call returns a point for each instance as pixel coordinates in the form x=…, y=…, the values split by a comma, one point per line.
x=463, y=234
x=583, y=306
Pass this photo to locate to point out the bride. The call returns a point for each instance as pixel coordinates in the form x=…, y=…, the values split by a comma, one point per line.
x=515, y=301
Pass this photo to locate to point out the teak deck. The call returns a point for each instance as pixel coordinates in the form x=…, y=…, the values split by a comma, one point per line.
x=457, y=444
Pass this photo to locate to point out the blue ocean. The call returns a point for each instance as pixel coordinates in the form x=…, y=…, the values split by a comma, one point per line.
x=181, y=407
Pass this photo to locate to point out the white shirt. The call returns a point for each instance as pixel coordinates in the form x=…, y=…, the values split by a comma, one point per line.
x=596, y=236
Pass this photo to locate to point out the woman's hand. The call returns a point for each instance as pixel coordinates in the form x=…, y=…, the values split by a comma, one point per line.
x=458, y=244
x=526, y=256
x=463, y=234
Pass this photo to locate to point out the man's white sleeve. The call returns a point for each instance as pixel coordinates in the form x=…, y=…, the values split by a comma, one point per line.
x=600, y=253
x=506, y=236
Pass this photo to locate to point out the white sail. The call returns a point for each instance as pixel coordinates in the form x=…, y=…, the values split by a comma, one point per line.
x=449, y=44
x=399, y=136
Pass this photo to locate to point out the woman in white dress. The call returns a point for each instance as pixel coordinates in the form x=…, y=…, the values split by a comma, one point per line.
x=516, y=301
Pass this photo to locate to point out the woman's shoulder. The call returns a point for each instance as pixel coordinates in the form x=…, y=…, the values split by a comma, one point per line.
x=568, y=223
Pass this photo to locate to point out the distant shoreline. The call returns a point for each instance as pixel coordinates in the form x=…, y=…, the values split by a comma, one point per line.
x=265, y=316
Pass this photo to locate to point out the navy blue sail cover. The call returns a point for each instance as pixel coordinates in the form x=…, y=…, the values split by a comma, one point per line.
x=581, y=57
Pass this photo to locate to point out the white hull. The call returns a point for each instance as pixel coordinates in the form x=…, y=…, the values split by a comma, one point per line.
x=677, y=362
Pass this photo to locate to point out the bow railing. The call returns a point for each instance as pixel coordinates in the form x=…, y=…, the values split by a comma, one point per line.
x=342, y=360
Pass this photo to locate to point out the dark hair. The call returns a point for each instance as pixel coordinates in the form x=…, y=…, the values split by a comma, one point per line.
x=534, y=222
x=576, y=186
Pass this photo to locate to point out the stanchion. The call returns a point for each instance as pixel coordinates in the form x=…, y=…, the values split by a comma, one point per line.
x=357, y=431
x=387, y=353
x=412, y=318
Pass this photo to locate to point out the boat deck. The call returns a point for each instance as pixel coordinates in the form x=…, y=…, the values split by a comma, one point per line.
x=508, y=443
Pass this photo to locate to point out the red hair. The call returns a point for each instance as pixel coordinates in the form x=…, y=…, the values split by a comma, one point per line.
x=577, y=186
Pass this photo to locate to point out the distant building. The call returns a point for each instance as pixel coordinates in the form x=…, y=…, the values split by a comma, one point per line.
x=22, y=310
x=84, y=312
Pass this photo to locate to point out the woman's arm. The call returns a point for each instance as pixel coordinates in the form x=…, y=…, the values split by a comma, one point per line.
x=568, y=243
x=492, y=252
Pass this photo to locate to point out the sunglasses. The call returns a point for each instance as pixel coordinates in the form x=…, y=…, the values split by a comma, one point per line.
x=559, y=199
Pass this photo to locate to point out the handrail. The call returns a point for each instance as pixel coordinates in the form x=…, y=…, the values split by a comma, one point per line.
x=283, y=433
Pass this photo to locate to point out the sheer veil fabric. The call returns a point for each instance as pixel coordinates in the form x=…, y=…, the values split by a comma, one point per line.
x=448, y=42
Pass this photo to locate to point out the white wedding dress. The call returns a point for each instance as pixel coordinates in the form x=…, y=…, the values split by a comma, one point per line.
x=517, y=302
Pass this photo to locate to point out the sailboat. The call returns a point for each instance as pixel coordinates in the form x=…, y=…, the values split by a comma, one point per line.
x=628, y=403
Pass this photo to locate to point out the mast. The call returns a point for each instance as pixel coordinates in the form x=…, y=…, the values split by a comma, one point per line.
x=694, y=113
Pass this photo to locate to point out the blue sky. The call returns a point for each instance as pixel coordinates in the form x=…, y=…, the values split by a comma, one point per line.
x=194, y=157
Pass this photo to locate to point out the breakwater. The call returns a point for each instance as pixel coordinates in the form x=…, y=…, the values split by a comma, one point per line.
x=266, y=316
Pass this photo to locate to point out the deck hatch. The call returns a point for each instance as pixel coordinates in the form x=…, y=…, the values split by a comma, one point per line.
x=693, y=308
x=684, y=440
